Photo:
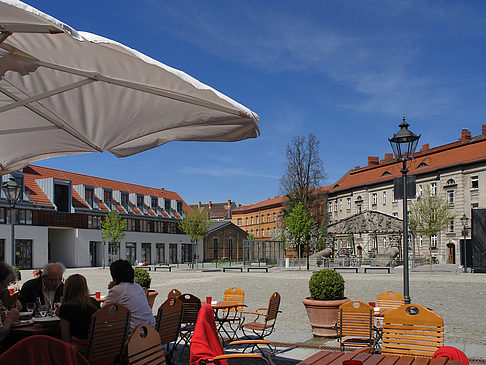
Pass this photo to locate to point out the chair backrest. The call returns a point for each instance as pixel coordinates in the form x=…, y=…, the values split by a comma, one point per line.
x=190, y=308
x=144, y=347
x=390, y=299
x=355, y=319
x=412, y=330
x=234, y=295
x=174, y=293
x=108, y=331
x=273, y=305
x=169, y=320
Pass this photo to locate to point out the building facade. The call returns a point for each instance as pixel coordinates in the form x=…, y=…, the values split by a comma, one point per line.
x=59, y=215
x=456, y=171
x=224, y=241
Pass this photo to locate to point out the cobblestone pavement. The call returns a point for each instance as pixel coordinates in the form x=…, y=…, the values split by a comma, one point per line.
x=458, y=297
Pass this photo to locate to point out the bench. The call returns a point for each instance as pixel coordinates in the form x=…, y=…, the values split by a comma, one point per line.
x=166, y=267
x=232, y=268
x=354, y=268
x=387, y=268
x=144, y=267
x=257, y=268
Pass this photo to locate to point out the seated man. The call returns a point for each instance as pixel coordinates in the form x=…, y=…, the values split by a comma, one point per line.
x=48, y=286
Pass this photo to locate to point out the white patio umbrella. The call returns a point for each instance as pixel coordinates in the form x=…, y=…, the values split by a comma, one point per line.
x=66, y=92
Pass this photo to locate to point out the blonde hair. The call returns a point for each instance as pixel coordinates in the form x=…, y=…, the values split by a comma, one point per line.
x=76, y=291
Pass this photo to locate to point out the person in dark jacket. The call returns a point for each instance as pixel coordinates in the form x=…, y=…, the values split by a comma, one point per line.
x=48, y=286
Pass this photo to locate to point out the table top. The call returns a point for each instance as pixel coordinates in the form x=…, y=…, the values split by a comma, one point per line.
x=336, y=358
x=224, y=305
x=99, y=300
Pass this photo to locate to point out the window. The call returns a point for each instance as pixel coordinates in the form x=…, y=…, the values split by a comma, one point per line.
x=179, y=209
x=384, y=198
x=268, y=218
x=257, y=219
x=94, y=221
x=215, y=248
x=348, y=203
x=336, y=206
x=256, y=233
x=2, y=250
x=422, y=165
x=88, y=196
x=154, y=204
x=2, y=216
x=384, y=242
x=433, y=242
x=131, y=252
x=275, y=217
x=146, y=253
x=251, y=220
x=340, y=204
x=130, y=224
x=107, y=198
x=140, y=203
x=450, y=197
x=23, y=216
x=160, y=253
x=450, y=182
x=62, y=197
x=450, y=229
x=263, y=232
x=330, y=207
x=359, y=208
x=374, y=198
x=239, y=221
x=421, y=241
x=395, y=214
x=420, y=190
x=246, y=220
x=263, y=218
x=124, y=200
x=167, y=205
x=113, y=252
x=474, y=182
x=433, y=188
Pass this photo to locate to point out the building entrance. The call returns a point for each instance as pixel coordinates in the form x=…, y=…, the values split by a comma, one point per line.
x=451, y=253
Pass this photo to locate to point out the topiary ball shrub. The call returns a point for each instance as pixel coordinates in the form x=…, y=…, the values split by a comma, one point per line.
x=17, y=272
x=142, y=277
x=326, y=285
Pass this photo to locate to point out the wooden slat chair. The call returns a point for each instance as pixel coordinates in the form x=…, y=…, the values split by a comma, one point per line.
x=168, y=324
x=264, y=323
x=355, y=325
x=174, y=293
x=389, y=299
x=144, y=347
x=190, y=310
x=234, y=295
x=108, y=332
x=412, y=330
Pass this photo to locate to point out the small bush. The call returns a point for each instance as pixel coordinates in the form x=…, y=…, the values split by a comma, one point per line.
x=142, y=277
x=326, y=285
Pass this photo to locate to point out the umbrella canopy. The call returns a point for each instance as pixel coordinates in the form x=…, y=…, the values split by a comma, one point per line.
x=66, y=92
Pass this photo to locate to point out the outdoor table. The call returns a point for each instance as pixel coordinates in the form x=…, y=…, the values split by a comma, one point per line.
x=99, y=300
x=222, y=319
x=336, y=358
x=18, y=333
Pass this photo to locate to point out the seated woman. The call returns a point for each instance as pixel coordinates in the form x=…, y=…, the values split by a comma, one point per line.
x=76, y=309
x=7, y=276
x=123, y=290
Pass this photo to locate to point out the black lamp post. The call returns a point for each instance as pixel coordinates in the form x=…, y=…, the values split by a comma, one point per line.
x=464, y=221
x=403, y=145
x=12, y=192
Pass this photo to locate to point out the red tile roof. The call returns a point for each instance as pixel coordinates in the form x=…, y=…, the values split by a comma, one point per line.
x=33, y=172
x=426, y=161
x=277, y=200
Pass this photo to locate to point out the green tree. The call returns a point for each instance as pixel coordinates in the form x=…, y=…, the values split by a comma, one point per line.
x=112, y=229
x=299, y=227
x=196, y=225
x=429, y=215
x=250, y=237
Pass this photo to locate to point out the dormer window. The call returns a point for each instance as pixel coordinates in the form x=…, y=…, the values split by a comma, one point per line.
x=140, y=202
x=422, y=165
x=108, y=198
x=167, y=205
x=386, y=173
x=62, y=195
x=89, y=195
x=154, y=203
x=124, y=200
x=451, y=182
x=179, y=207
x=359, y=199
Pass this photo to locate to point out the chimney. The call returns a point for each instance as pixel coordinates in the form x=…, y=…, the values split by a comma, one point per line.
x=484, y=130
x=229, y=203
x=356, y=167
x=425, y=147
x=465, y=135
x=373, y=161
x=210, y=205
x=199, y=205
x=239, y=205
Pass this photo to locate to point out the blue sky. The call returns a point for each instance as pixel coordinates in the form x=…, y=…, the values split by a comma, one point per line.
x=347, y=71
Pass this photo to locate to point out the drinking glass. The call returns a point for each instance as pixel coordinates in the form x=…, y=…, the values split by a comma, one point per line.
x=30, y=307
x=43, y=310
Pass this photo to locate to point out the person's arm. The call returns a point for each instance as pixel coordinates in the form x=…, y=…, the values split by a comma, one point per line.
x=114, y=295
x=12, y=316
x=65, y=330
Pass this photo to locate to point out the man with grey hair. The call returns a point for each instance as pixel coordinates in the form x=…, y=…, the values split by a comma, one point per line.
x=48, y=286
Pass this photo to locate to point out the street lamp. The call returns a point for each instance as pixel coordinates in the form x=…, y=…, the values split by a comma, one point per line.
x=464, y=220
x=12, y=192
x=403, y=145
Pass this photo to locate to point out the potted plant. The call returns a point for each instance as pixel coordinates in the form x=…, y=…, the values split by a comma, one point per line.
x=142, y=277
x=326, y=289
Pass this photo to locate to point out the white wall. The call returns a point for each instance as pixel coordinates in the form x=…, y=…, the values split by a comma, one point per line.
x=38, y=235
x=63, y=248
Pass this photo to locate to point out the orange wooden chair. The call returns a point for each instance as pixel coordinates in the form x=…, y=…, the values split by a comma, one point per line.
x=168, y=324
x=174, y=293
x=108, y=332
x=389, y=299
x=355, y=325
x=144, y=347
x=412, y=330
x=234, y=295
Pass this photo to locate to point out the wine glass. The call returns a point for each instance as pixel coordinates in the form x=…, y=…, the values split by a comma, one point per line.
x=30, y=307
x=43, y=310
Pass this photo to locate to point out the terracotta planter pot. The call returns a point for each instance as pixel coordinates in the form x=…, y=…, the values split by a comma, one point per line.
x=151, y=295
x=323, y=314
